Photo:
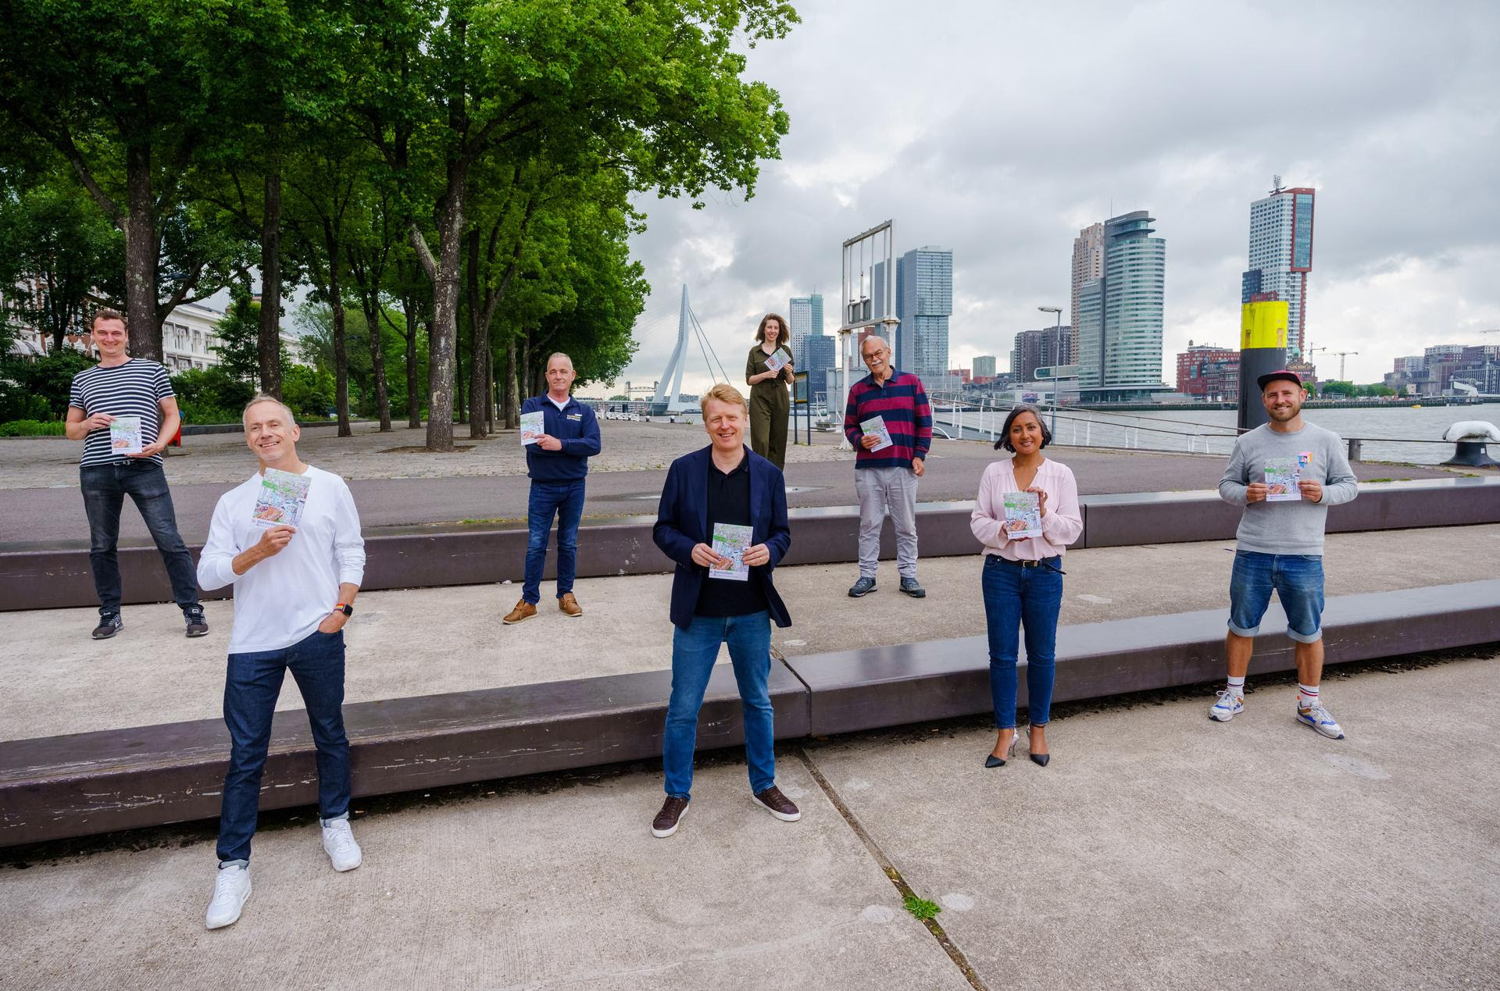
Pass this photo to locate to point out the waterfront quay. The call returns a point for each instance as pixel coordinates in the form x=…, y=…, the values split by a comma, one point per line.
x=1157, y=850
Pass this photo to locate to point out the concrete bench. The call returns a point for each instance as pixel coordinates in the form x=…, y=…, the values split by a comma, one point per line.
x=58, y=787
x=60, y=578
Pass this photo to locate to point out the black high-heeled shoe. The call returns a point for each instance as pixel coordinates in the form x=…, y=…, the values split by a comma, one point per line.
x=992, y=761
x=1040, y=760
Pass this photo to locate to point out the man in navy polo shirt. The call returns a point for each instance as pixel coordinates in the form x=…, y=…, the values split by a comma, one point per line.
x=887, y=463
x=557, y=464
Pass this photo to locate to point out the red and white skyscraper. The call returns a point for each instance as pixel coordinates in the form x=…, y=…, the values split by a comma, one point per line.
x=1281, y=243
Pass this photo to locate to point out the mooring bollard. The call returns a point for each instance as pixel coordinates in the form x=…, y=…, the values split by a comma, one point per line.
x=1354, y=443
x=1469, y=438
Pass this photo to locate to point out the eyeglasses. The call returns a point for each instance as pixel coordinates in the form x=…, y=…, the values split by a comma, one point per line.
x=874, y=355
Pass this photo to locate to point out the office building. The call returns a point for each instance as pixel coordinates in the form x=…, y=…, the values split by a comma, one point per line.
x=805, y=317
x=1088, y=264
x=984, y=367
x=924, y=302
x=1280, y=257
x=821, y=358
x=1035, y=349
x=1207, y=372
x=1119, y=314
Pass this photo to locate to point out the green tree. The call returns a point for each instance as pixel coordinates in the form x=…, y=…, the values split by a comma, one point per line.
x=38, y=389
x=211, y=395
x=308, y=391
x=1336, y=388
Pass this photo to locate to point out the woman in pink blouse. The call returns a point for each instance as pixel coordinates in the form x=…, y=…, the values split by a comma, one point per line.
x=1024, y=537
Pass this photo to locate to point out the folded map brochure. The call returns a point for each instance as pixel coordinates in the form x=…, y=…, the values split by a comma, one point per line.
x=1282, y=476
x=125, y=435
x=1023, y=515
x=282, y=496
x=731, y=540
x=776, y=361
x=533, y=426
x=876, y=425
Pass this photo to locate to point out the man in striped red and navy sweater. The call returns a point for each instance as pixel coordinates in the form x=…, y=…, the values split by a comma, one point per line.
x=889, y=422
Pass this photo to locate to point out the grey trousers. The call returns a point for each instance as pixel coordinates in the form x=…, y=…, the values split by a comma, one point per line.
x=887, y=492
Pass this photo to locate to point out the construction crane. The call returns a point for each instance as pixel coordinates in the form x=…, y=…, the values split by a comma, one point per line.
x=1340, y=354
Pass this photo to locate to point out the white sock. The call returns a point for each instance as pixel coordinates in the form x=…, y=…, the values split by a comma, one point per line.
x=1307, y=696
x=1237, y=685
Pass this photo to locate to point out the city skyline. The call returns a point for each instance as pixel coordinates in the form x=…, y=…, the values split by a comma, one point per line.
x=992, y=153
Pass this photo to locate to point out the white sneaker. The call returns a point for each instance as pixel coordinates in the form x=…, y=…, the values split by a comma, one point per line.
x=338, y=843
x=231, y=888
x=1227, y=707
x=1318, y=718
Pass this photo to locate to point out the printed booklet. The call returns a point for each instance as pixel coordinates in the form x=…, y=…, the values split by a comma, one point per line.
x=1023, y=515
x=731, y=541
x=282, y=496
x=125, y=435
x=776, y=361
x=1282, y=475
x=533, y=426
x=876, y=425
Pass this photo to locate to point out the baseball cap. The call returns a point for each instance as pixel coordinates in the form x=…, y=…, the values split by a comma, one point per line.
x=1281, y=373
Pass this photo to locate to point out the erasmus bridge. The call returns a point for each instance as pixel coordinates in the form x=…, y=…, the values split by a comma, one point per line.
x=668, y=398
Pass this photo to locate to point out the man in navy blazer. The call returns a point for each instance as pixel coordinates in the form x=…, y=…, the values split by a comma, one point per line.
x=722, y=599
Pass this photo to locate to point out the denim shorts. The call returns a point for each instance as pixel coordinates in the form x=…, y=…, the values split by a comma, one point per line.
x=1298, y=581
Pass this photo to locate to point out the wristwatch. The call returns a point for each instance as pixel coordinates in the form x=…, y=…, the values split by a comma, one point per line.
x=344, y=608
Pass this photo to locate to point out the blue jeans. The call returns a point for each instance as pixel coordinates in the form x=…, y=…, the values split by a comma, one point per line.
x=694, y=651
x=104, y=490
x=1015, y=596
x=250, y=690
x=565, y=499
x=1298, y=581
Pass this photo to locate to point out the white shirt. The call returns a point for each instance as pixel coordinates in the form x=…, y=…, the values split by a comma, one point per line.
x=282, y=599
x=560, y=405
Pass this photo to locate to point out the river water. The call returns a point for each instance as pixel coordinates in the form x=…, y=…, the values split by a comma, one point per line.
x=1397, y=433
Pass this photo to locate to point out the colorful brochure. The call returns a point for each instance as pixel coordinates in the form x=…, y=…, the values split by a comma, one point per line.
x=533, y=426
x=777, y=360
x=1282, y=475
x=876, y=425
x=731, y=541
x=1023, y=515
x=125, y=435
x=282, y=497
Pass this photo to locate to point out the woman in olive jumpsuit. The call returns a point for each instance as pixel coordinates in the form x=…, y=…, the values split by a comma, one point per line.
x=769, y=404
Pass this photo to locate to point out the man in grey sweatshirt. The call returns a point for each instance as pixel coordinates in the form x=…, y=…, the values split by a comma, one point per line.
x=1286, y=473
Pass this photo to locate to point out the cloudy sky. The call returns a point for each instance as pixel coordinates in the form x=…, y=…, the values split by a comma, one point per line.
x=998, y=129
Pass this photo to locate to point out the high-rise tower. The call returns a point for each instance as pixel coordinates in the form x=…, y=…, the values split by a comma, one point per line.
x=1281, y=243
x=924, y=301
x=1088, y=264
x=1118, y=323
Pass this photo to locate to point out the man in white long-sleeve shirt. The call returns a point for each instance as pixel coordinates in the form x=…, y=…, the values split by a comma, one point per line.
x=1285, y=473
x=294, y=589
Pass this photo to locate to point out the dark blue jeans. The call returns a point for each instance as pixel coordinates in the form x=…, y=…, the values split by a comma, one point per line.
x=565, y=500
x=104, y=490
x=250, y=691
x=1016, y=597
x=694, y=651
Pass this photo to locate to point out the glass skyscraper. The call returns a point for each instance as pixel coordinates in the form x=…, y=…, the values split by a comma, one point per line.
x=1119, y=317
x=1281, y=243
x=924, y=302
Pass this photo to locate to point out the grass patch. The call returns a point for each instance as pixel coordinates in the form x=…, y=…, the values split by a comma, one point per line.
x=921, y=908
x=33, y=428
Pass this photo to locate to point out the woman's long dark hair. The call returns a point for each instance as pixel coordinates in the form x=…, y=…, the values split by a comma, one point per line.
x=781, y=338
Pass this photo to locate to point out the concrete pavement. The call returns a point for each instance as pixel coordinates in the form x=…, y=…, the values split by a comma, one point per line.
x=1158, y=850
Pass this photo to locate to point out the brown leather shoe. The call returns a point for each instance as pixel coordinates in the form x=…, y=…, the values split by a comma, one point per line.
x=569, y=604
x=672, y=811
x=523, y=611
x=774, y=802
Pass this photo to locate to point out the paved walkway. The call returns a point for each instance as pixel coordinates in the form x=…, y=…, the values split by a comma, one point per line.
x=430, y=641
x=397, y=486
x=1158, y=850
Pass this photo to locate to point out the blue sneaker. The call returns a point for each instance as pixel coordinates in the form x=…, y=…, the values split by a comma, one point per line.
x=1229, y=705
x=862, y=587
x=1318, y=718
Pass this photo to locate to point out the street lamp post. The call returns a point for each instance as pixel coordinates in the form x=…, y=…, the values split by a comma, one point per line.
x=1056, y=358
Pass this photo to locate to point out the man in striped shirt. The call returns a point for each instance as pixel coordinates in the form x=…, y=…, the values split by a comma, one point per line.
x=889, y=422
x=125, y=412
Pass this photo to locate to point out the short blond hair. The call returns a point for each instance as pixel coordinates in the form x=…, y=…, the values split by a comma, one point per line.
x=264, y=398
x=723, y=393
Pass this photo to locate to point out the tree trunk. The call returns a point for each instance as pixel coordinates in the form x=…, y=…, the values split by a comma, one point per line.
x=340, y=349
x=413, y=401
x=377, y=359
x=268, y=341
x=141, y=256
x=478, y=346
x=489, y=384
x=444, y=272
x=512, y=392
